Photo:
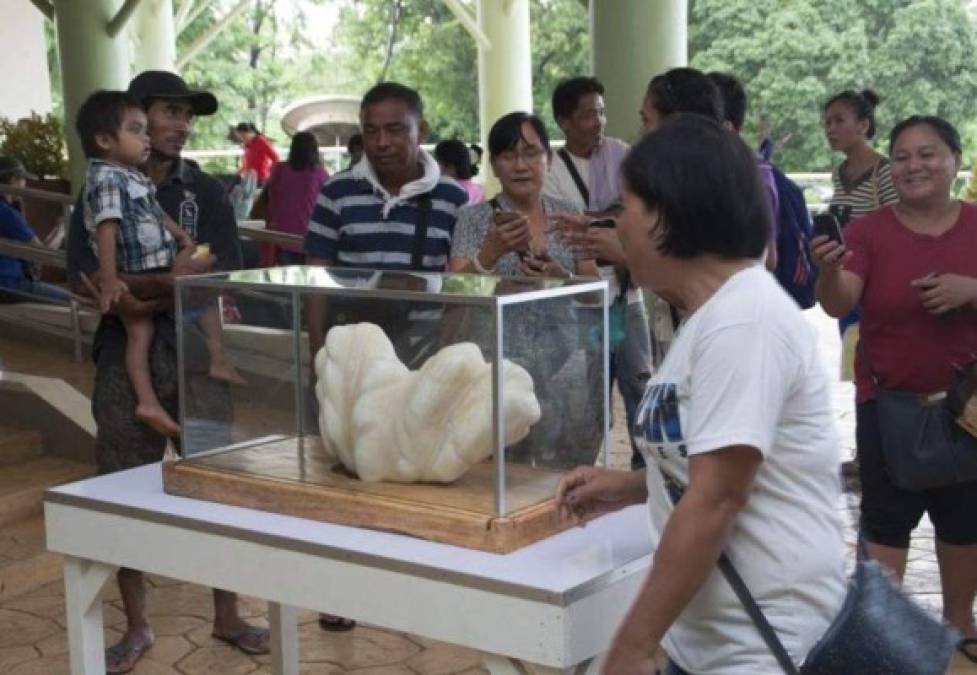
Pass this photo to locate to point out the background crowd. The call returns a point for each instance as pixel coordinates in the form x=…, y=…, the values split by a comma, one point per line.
x=726, y=400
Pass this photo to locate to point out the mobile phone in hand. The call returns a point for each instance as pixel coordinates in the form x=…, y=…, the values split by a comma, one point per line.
x=826, y=224
x=603, y=222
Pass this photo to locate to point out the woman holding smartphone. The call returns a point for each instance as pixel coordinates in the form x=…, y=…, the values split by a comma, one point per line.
x=511, y=235
x=911, y=268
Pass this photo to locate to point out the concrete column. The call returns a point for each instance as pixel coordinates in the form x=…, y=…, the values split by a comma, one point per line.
x=634, y=40
x=90, y=60
x=505, y=81
x=24, y=58
x=153, y=36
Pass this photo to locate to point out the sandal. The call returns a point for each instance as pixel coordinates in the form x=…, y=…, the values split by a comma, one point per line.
x=252, y=640
x=336, y=624
x=122, y=658
x=962, y=648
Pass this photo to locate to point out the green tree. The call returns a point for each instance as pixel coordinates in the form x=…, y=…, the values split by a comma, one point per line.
x=421, y=43
x=255, y=66
x=792, y=55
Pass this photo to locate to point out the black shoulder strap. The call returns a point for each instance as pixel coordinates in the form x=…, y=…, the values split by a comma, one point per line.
x=575, y=175
x=420, y=232
x=733, y=578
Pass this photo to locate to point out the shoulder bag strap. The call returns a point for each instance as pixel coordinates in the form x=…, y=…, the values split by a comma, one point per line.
x=575, y=175
x=876, y=198
x=420, y=232
x=769, y=635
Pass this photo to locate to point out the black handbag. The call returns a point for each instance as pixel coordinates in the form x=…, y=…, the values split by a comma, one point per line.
x=923, y=444
x=878, y=630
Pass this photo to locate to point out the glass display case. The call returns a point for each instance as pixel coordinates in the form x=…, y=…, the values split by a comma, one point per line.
x=437, y=400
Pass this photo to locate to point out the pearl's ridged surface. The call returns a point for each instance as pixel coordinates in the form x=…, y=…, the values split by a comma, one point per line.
x=385, y=422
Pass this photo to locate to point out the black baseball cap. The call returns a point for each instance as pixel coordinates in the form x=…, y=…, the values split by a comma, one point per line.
x=151, y=84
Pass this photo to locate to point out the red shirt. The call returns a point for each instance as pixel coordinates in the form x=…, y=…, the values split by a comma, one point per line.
x=259, y=156
x=901, y=344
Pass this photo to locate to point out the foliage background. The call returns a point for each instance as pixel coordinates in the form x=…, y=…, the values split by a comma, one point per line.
x=791, y=55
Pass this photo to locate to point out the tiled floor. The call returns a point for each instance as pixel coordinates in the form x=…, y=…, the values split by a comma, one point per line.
x=32, y=633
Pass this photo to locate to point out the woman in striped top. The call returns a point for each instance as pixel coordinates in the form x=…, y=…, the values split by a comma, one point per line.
x=862, y=183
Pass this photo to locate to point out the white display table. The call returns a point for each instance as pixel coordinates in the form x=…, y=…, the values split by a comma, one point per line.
x=552, y=605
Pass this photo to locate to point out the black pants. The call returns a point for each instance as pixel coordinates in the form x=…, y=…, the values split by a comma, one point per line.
x=889, y=513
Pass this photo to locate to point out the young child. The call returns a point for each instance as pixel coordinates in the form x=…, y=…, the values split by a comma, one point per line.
x=132, y=234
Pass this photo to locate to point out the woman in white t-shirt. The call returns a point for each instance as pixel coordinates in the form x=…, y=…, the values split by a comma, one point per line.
x=738, y=414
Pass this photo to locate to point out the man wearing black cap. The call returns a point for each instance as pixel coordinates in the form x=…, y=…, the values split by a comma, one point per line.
x=199, y=204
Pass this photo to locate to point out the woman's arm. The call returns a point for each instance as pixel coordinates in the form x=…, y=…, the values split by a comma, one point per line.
x=942, y=293
x=690, y=546
x=838, y=290
x=589, y=491
x=468, y=245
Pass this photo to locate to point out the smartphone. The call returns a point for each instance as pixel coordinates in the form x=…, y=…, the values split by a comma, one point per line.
x=500, y=216
x=826, y=224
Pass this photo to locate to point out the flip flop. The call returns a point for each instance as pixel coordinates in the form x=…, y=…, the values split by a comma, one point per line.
x=122, y=658
x=962, y=648
x=248, y=640
x=336, y=624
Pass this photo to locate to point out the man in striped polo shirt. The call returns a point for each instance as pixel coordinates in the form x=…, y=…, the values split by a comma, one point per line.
x=393, y=210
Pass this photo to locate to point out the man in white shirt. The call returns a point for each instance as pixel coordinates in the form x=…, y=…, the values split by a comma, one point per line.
x=585, y=174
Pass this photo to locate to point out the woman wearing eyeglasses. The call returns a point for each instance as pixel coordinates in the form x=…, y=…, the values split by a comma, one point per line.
x=511, y=235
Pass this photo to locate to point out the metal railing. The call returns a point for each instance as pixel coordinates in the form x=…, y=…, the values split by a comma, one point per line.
x=41, y=255
x=52, y=258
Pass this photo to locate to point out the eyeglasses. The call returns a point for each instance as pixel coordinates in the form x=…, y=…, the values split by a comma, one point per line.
x=529, y=155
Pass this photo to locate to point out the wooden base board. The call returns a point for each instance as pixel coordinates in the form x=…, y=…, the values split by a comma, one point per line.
x=300, y=480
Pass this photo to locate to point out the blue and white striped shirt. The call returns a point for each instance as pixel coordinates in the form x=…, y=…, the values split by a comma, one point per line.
x=348, y=225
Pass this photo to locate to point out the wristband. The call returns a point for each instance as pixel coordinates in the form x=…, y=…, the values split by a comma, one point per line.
x=478, y=265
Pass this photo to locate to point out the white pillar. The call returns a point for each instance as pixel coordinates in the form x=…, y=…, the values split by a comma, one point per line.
x=27, y=87
x=153, y=36
x=505, y=81
x=90, y=59
x=634, y=40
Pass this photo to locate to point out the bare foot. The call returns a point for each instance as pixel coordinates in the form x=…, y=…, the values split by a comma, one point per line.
x=225, y=372
x=249, y=639
x=123, y=656
x=158, y=419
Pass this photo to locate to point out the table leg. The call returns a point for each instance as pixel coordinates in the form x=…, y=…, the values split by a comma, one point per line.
x=83, y=584
x=284, y=639
x=504, y=665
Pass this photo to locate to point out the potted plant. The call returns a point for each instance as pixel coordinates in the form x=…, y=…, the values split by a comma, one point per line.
x=38, y=142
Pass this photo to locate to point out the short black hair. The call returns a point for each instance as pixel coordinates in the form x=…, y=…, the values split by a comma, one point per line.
x=734, y=98
x=506, y=133
x=303, y=154
x=386, y=91
x=863, y=103
x=355, y=141
x=247, y=126
x=102, y=113
x=456, y=154
x=946, y=131
x=567, y=95
x=704, y=183
x=686, y=90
